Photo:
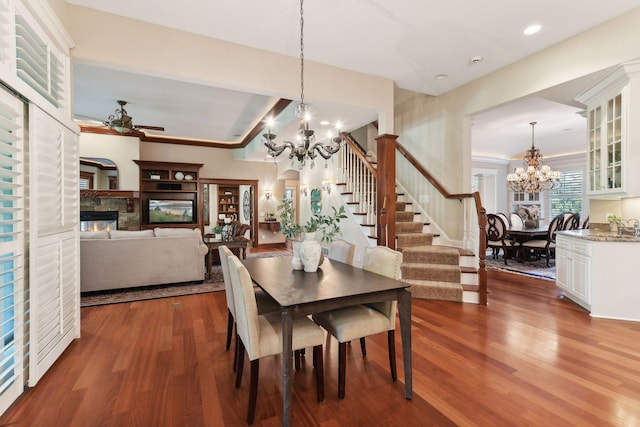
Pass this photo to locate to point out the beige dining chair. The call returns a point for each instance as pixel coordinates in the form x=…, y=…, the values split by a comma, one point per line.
x=359, y=321
x=261, y=335
x=265, y=303
x=516, y=221
x=497, y=237
x=341, y=250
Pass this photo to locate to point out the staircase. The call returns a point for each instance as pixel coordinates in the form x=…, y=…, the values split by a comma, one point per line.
x=433, y=271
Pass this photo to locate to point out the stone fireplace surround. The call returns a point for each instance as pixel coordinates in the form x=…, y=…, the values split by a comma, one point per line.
x=127, y=204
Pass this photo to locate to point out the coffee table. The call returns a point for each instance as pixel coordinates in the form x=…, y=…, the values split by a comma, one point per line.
x=238, y=246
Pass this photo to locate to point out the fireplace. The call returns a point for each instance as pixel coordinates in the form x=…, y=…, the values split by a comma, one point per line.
x=98, y=220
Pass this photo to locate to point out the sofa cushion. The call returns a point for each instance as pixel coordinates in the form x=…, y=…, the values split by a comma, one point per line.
x=164, y=232
x=126, y=234
x=101, y=235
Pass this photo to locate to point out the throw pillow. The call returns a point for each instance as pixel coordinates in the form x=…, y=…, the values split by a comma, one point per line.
x=126, y=234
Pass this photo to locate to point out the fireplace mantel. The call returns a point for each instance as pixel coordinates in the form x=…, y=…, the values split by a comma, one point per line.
x=103, y=194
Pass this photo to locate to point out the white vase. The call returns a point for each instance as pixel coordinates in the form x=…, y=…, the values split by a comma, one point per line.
x=310, y=251
x=296, y=263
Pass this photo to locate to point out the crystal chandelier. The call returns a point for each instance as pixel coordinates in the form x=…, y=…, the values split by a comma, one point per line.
x=535, y=176
x=305, y=147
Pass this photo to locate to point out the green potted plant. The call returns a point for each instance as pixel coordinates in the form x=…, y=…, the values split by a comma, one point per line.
x=217, y=231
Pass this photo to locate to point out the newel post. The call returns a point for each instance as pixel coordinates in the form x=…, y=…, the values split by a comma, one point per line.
x=386, y=194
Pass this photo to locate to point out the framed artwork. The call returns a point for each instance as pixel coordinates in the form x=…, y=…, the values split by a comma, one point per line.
x=316, y=201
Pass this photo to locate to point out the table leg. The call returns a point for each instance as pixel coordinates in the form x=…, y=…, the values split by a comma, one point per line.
x=209, y=262
x=404, y=309
x=287, y=365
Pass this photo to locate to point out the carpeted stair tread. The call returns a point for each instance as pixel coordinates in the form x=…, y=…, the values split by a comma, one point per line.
x=401, y=206
x=430, y=254
x=405, y=240
x=404, y=216
x=433, y=289
x=409, y=227
x=437, y=272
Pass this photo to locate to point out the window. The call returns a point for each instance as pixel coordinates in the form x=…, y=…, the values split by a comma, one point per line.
x=86, y=180
x=568, y=197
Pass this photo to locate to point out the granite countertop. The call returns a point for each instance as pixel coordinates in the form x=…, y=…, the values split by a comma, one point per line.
x=600, y=235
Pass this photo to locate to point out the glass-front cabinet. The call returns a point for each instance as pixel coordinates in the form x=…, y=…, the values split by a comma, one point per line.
x=613, y=147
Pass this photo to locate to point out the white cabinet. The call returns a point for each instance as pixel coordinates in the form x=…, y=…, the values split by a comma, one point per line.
x=573, y=269
x=613, y=146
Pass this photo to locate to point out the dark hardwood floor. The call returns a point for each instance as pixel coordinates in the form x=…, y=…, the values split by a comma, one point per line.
x=529, y=358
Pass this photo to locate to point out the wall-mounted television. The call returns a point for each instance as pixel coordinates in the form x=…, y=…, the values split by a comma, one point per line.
x=171, y=211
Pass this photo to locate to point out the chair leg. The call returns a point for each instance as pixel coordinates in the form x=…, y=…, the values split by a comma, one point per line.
x=235, y=354
x=391, y=339
x=296, y=360
x=253, y=390
x=342, y=365
x=229, y=328
x=240, y=347
x=363, y=346
x=319, y=365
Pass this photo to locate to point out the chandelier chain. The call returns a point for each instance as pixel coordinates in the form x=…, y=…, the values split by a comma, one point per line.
x=301, y=52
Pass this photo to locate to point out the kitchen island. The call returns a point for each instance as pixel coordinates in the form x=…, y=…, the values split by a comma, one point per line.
x=599, y=270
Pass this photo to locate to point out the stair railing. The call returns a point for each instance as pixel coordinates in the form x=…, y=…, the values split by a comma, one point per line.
x=360, y=179
x=387, y=146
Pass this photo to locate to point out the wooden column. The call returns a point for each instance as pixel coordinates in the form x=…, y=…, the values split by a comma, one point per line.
x=386, y=191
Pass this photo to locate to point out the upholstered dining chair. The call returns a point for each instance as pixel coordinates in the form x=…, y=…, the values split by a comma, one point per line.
x=505, y=218
x=516, y=221
x=497, y=237
x=265, y=303
x=359, y=321
x=570, y=221
x=547, y=246
x=261, y=335
x=341, y=250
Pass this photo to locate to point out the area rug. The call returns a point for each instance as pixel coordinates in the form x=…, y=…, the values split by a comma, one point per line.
x=536, y=268
x=213, y=284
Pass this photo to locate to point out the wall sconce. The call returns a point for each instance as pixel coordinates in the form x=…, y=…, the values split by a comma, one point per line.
x=326, y=186
x=303, y=191
x=268, y=194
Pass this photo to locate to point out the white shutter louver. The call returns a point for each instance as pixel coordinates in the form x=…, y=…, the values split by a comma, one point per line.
x=11, y=249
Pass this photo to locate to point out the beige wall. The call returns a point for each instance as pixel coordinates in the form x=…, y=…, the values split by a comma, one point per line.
x=164, y=52
x=122, y=150
x=437, y=129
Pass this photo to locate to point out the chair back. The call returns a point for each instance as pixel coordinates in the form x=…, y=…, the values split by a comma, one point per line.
x=225, y=253
x=505, y=219
x=496, y=228
x=585, y=224
x=571, y=221
x=246, y=317
x=341, y=250
x=386, y=262
x=516, y=221
x=554, y=225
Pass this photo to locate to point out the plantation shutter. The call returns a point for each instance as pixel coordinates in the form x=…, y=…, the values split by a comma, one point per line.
x=54, y=258
x=567, y=197
x=12, y=225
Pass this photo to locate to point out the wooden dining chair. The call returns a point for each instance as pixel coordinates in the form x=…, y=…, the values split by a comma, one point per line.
x=570, y=221
x=516, y=221
x=261, y=335
x=497, y=237
x=585, y=223
x=265, y=303
x=359, y=321
x=547, y=246
x=341, y=250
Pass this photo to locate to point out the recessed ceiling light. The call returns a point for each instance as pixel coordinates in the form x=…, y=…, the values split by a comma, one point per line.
x=531, y=29
x=440, y=76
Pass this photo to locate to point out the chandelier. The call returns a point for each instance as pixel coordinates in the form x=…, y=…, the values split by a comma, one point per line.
x=535, y=176
x=306, y=146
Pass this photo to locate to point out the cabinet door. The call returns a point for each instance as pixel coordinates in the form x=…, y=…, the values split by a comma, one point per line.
x=581, y=278
x=614, y=143
x=594, y=149
x=563, y=270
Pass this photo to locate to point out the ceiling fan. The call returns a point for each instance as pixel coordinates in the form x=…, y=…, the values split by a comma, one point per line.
x=123, y=123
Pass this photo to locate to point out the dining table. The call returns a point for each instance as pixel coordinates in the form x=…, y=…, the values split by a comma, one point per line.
x=524, y=234
x=332, y=286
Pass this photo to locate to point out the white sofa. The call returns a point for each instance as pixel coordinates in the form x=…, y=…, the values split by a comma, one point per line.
x=126, y=259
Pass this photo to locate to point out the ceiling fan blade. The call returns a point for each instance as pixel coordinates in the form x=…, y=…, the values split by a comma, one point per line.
x=160, y=128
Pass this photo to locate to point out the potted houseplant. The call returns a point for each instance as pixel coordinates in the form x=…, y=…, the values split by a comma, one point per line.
x=309, y=250
x=217, y=231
